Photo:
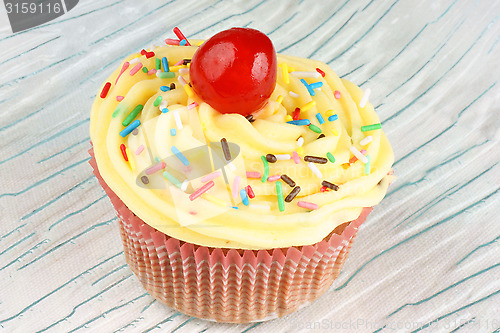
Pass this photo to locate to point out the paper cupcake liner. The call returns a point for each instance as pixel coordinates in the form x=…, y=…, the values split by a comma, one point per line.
x=229, y=285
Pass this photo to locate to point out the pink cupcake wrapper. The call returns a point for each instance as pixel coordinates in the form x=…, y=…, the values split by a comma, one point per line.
x=229, y=285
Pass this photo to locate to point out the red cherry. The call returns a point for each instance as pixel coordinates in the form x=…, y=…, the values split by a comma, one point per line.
x=235, y=70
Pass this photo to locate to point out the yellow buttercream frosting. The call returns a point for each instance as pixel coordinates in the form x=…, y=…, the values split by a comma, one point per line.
x=156, y=184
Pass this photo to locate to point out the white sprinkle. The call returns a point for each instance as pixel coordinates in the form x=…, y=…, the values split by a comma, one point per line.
x=300, y=142
x=134, y=61
x=183, y=70
x=295, y=95
x=181, y=80
x=364, y=98
x=358, y=154
x=184, y=185
x=163, y=104
x=315, y=170
x=260, y=206
x=158, y=71
x=366, y=140
x=282, y=157
x=231, y=166
x=177, y=118
x=305, y=74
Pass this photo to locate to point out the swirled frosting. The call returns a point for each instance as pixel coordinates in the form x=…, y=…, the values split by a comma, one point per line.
x=219, y=218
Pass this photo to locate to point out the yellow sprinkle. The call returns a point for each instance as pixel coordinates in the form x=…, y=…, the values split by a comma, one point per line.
x=213, y=199
x=175, y=68
x=279, y=99
x=300, y=151
x=130, y=159
x=288, y=118
x=308, y=106
x=335, y=132
x=188, y=64
x=330, y=113
x=189, y=91
x=290, y=69
x=284, y=71
x=199, y=43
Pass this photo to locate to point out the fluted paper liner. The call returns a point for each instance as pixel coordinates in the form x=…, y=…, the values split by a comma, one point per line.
x=229, y=285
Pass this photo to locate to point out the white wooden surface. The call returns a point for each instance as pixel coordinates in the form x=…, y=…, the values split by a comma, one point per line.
x=427, y=260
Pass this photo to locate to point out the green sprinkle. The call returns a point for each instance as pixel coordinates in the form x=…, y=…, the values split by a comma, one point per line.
x=145, y=69
x=371, y=127
x=367, y=165
x=131, y=116
x=157, y=100
x=166, y=75
x=314, y=128
x=157, y=63
x=279, y=193
x=330, y=157
x=266, y=169
x=118, y=110
x=172, y=179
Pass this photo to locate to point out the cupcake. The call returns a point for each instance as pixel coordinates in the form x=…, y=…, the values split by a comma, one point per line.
x=239, y=177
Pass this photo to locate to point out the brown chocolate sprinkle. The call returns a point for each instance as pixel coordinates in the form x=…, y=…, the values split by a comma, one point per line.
x=250, y=118
x=186, y=61
x=292, y=194
x=288, y=180
x=135, y=131
x=271, y=158
x=190, y=84
x=329, y=185
x=321, y=136
x=225, y=149
x=172, y=86
x=315, y=159
x=145, y=179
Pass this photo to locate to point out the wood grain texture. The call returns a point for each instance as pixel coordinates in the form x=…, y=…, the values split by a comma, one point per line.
x=426, y=260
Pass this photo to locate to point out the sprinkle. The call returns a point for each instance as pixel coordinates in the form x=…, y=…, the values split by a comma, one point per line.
x=124, y=68
x=105, y=90
x=293, y=193
x=282, y=157
x=149, y=55
x=143, y=52
x=131, y=116
x=176, y=68
x=358, y=154
x=314, y=128
x=165, y=75
x=183, y=43
x=324, y=189
x=172, y=86
x=144, y=69
x=244, y=197
x=180, y=35
x=172, y=179
x=305, y=74
x=164, y=88
x=330, y=157
x=329, y=185
x=170, y=41
x=124, y=152
x=134, y=61
x=250, y=192
x=320, y=136
x=364, y=98
x=188, y=90
x=157, y=167
x=273, y=178
x=139, y=150
x=145, y=180
x=135, y=69
x=183, y=71
x=315, y=159
x=152, y=71
x=309, y=89
x=279, y=99
x=307, y=205
x=300, y=141
x=299, y=122
x=300, y=150
x=165, y=64
x=192, y=105
x=335, y=132
x=288, y=180
x=179, y=155
x=177, y=118
x=320, y=118
x=131, y=161
x=279, y=193
x=235, y=207
x=236, y=186
x=225, y=149
x=164, y=110
x=184, y=185
x=266, y=169
x=210, y=176
x=284, y=72
x=271, y=158
x=253, y=174
x=308, y=106
x=157, y=63
x=214, y=200
x=119, y=98
x=295, y=95
x=157, y=100
x=250, y=118
x=337, y=94
x=320, y=72
x=127, y=130
x=366, y=140
x=316, y=85
x=367, y=165
x=296, y=157
x=186, y=61
x=201, y=190
x=333, y=117
x=315, y=170
x=371, y=127
x=296, y=114
x=173, y=132
x=288, y=118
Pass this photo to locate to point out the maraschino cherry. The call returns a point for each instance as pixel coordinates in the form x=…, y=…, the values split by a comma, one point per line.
x=235, y=70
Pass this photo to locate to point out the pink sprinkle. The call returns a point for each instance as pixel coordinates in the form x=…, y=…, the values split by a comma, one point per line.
x=192, y=105
x=236, y=186
x=308, y=205
x=152, y=71
x=124, y=67
x=155, y=168
x=363, y=151
x=180, y=62
x=337, y=94
x=119, y=98
x=210, y=177
x=253, y=174
x=296, y=157
x=135, y=69
x=139, y=150
x=181, y=80
x=170, y=41
x=201, y=190
x=273, y=178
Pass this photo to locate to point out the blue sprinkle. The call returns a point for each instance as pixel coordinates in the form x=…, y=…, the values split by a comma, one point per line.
x=233, y=206
x=244, y=197
x=311, y=90
x=320, y=118
x=165, y=88
x=299, y=122
x=132, y=126
x=179, y=155
x=315, y=85
x=173, y=131
x=333, y=117
x=183, y=42
x=164, y=110
x=165, y=64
